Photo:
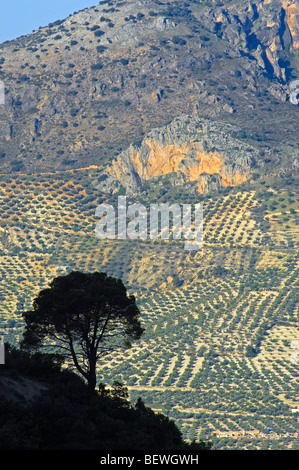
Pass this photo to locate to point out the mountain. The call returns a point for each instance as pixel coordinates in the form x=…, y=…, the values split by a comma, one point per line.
x=83, y=89
x=166, y=101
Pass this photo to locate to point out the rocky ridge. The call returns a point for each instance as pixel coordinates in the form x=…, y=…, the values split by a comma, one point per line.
x=193, y=149
x=83, y=90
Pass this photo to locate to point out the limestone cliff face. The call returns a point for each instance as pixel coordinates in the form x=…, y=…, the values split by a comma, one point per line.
x=265, y=29
x=291, y=8
x=192, y=149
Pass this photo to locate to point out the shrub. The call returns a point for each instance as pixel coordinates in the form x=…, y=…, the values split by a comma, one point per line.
x=250, y=351
x=101, y=48
x=97, y=66
x=55, y=23
x=99, y=33
x=178, y=40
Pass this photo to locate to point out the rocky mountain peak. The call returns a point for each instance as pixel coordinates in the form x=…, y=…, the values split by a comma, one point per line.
x=81, y=90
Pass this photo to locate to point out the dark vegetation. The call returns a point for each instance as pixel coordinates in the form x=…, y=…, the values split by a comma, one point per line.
x=64, y=416
x=86, y=316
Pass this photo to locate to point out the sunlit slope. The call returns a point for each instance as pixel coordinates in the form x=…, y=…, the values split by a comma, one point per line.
x=220, y=351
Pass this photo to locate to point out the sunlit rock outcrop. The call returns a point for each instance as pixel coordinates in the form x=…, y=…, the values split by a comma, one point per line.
x=192, y=150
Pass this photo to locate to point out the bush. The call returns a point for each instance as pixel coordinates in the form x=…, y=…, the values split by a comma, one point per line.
x=97, y=66
x=178, y=40
x=250, y=351
x=99, y=33
x=101, y=48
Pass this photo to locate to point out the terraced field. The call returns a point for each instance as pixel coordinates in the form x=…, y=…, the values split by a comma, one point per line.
x=223, y=357
x=221, y=346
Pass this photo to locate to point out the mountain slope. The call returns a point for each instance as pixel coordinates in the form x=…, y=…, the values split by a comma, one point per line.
x=51, y=409
x=166, y=101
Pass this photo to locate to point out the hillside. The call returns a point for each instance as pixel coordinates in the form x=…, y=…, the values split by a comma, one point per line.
x=217, y=321
x=86, y=87
x=180, y=102
x=51, y=409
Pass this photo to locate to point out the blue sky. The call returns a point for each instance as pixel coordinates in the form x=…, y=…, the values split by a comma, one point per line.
x=20, y=17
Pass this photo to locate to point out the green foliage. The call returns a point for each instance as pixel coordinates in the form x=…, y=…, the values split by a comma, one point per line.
x=179, y=41
x=101, y=48
x=99, y=33
x=250, y=351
